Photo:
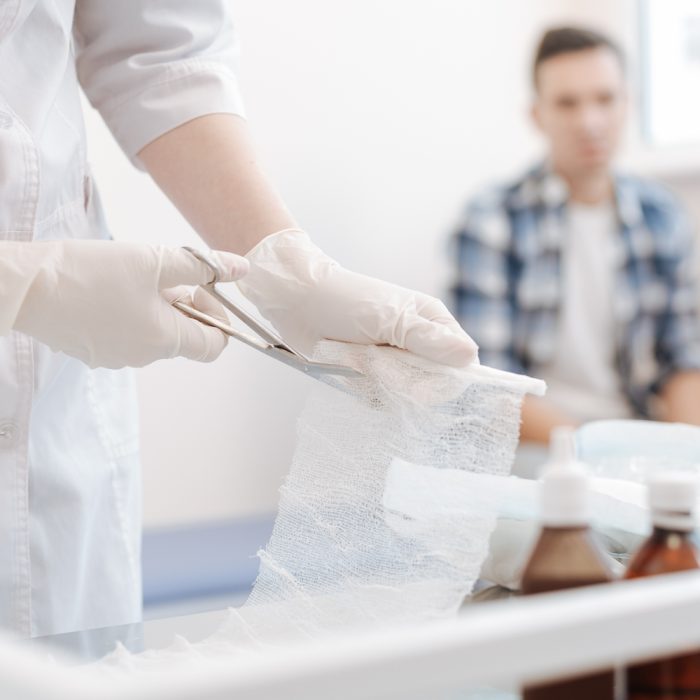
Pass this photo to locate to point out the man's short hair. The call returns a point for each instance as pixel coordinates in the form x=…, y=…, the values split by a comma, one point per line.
x=561, y=40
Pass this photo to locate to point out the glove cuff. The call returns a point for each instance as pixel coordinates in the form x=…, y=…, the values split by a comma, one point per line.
x=264, y=246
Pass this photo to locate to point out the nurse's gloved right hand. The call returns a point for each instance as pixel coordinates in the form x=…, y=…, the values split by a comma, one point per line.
x=308, y=296
x=108, y=303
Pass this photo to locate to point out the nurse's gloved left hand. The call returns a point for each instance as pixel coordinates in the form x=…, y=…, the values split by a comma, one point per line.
x=109, y=303
x=308, y=296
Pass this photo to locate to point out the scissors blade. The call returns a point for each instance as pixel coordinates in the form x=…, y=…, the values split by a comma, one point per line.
x=314, y=369
x=221, y=325
x=265, y=333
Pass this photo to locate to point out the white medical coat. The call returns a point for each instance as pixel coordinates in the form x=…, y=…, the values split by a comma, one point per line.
x=69, y=467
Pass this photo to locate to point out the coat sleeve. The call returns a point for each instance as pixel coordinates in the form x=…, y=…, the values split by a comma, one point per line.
x=149, y=66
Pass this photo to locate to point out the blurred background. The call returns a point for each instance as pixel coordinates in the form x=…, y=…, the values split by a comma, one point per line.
x=376, y=121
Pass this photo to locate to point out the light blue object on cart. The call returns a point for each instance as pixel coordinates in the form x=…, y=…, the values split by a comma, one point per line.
x=632, y=449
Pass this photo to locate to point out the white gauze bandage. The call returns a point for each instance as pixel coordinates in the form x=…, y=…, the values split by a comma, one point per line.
x=364, y=535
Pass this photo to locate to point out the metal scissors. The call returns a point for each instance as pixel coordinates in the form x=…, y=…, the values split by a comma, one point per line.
x=268, y=342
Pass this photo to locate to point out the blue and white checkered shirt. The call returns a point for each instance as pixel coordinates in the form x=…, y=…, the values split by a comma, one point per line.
x=508, y=288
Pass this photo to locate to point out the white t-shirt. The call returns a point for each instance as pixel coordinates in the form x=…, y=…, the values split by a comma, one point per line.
x=581, y=378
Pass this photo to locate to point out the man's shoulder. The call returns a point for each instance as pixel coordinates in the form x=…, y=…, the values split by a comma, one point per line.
x=661, y=213
x=504, y=194
x=491, y=214
x=653, y=197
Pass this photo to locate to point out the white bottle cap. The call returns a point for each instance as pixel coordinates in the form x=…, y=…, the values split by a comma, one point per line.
x=672, y=499
x=564, y=497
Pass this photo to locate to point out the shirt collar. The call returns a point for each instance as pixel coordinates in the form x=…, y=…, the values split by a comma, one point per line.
x=544, y=185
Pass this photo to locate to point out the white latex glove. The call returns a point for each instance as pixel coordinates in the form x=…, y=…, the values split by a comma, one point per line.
x=108, y=303
x=308, y=296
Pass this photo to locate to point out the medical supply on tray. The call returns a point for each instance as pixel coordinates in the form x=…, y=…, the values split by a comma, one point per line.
x=566, y=555
x=669, y=548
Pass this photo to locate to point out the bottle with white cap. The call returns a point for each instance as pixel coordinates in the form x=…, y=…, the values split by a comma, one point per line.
x=669, y=548
x=566, y=555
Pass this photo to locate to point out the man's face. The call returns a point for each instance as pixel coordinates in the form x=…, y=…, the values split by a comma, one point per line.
x=580, y=107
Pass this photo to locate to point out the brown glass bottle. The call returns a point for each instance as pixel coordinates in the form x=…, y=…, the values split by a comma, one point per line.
x=566, y=555
x=668, y=549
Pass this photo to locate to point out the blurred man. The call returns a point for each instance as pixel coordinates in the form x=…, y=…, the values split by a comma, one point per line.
x=575, y=273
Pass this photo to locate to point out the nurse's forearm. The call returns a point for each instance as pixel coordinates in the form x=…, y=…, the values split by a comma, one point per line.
x=681, y=398
x=539, y=418
x=208, y=169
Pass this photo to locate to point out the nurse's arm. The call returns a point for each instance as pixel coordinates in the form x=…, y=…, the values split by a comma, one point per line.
x=209, y=170
x=680, y=398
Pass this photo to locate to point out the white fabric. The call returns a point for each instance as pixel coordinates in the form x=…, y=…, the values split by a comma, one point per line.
x=581, y=378
x=370, y=535
x=307, y=296
x=108, y=303
x=69, y=471
x=384, y=518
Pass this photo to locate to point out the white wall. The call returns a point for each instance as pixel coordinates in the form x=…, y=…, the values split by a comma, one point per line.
x=375, y=120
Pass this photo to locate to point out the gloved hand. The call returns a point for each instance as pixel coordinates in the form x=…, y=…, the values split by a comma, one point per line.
x=308, y=296
x=108, y=303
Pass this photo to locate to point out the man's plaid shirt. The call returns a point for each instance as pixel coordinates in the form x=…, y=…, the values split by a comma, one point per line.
x=508, y=288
